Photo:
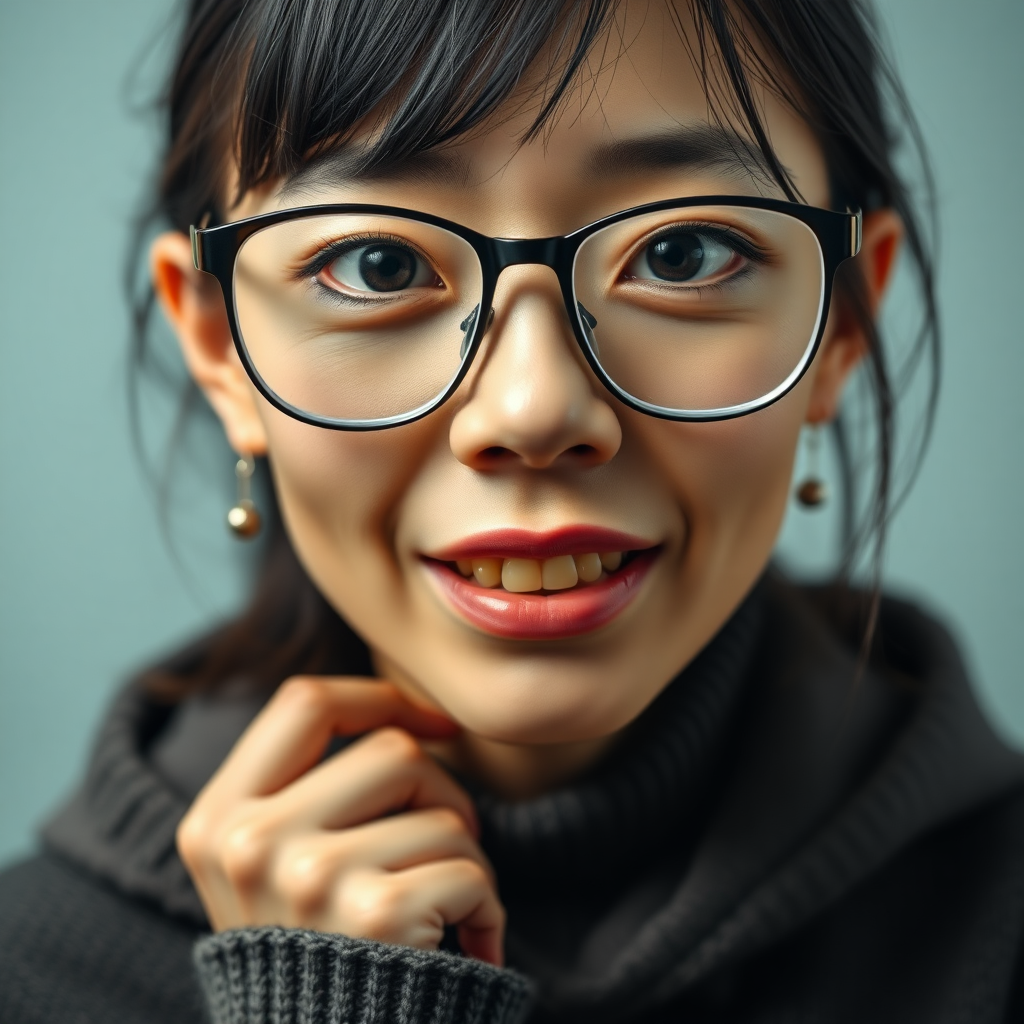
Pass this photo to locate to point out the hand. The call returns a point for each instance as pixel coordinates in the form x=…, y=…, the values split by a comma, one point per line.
x=377, y=842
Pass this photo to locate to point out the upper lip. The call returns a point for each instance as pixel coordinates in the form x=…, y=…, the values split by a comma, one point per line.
x=568, y=540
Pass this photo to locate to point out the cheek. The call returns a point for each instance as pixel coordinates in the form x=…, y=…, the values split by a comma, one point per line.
x=732, y=482
x=338, y=492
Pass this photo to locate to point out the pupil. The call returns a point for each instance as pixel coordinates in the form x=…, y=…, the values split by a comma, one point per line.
x=387, y=268
x=677, y=257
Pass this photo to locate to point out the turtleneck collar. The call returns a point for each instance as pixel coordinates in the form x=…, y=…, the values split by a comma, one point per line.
x=150, y=760
x=643, y=792
x=756, y=791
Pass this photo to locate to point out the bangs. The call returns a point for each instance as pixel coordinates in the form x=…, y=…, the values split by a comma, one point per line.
x=418, y=73
x=260, y=88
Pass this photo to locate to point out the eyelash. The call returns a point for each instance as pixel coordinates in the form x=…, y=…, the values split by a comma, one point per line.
x=725, y=236
x=323, y=259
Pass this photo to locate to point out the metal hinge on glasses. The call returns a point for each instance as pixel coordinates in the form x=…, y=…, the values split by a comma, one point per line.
x=193, y=234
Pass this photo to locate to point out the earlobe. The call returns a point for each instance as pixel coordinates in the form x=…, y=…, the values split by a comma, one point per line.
x=845, y=342
x=194, y=306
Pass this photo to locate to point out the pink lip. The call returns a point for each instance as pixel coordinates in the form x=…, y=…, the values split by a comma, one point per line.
x=570, y=540
x=544, y=617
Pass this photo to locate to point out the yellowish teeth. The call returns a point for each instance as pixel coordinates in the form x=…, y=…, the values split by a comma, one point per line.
x=487, y=571
x=589, y=567
x=524, y=575
x=521, y=575
x=559, y=573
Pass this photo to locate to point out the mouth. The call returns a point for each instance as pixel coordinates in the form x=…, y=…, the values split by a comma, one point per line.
x=528, y=586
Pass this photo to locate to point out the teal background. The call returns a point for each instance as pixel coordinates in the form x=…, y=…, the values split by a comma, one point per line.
x=90, y=588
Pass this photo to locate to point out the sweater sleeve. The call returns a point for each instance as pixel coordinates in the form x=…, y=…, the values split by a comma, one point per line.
x=278, y=975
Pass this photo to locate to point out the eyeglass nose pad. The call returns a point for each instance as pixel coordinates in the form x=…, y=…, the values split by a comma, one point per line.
x=467, y=326
x=589, y=323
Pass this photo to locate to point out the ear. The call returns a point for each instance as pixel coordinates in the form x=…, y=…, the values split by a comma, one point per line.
x=194, y=305
x=844, y=344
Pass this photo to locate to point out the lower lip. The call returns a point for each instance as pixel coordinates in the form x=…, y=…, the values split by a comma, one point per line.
x=544, y=617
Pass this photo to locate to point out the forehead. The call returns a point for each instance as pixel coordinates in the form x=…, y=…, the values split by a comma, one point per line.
x=637, y=125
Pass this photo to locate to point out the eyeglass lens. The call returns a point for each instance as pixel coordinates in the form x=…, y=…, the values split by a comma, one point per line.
x=363, y=317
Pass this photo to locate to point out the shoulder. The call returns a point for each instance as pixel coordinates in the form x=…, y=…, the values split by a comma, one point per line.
x=72, y=948
x=949, y=911
x=937, y=933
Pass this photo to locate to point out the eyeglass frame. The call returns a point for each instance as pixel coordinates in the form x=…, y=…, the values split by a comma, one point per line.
x=215, y=249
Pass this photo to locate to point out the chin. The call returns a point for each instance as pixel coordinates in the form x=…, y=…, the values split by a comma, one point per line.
x=540, y=711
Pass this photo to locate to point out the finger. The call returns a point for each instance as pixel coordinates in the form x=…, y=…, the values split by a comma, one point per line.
x=311, y=862
x=379, y=774
x=412, y=907
x=463, y=896
x=289, y=735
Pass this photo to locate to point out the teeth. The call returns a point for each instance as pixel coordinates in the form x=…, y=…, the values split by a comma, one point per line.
x=521, y=575
x=524, y=575
x=487, y=571
x=589, y=567
x=559, y=573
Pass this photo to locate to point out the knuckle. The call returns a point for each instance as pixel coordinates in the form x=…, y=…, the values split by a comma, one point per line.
x=371, y=911
x=448, y=822
x=193, y=839
x=303, y=877
x=474, y=874
x=304, y=693
x=244, y=853
x=399, y=744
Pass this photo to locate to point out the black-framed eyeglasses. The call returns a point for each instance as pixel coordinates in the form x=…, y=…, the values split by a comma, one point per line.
x=359, y=317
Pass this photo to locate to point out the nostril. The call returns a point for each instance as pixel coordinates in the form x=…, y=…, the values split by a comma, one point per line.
x=494, y=453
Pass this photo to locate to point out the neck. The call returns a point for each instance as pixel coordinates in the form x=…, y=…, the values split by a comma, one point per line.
x=513, y=771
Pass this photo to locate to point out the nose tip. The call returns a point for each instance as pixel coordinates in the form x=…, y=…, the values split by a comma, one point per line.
x=590, y=439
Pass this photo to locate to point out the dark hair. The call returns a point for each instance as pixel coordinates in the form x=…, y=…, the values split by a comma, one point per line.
x=262, y=79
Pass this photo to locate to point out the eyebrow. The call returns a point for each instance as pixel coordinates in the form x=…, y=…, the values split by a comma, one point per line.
x=345, y=166
x=692, y=147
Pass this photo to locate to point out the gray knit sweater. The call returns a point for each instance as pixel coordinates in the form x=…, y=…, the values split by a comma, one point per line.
x=773, y=843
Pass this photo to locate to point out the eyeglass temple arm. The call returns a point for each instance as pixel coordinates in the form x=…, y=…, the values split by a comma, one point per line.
x=193, y=234
x=856, y=229
x=197, y=255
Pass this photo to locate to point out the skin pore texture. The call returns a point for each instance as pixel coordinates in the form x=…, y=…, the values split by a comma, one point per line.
x=531, y=441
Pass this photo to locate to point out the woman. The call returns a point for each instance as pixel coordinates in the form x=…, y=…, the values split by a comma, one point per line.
x=526, y=307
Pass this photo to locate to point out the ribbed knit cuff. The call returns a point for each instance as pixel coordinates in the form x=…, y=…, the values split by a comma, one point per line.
x=289, y=976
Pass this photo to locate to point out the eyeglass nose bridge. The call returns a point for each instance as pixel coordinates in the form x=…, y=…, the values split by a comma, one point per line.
x=512, y=252
x=554, y=253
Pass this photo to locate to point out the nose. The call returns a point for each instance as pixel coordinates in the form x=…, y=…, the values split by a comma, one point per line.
x=533, y=401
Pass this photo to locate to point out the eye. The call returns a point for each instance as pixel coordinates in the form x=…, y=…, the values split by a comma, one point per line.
x=378, y=267
x=684, y=256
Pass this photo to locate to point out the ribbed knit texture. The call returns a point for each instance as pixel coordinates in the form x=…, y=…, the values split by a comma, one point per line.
x=290, y=976
x=642, y=792
x=120, y=823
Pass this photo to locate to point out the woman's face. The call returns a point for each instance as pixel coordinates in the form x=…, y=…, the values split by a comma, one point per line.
x=532, y=456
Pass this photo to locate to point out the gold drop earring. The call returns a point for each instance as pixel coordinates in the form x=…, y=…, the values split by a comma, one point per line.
x=812, y=492
x=243, y=517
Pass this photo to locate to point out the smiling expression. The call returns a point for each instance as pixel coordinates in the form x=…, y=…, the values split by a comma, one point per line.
x=534, y=557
